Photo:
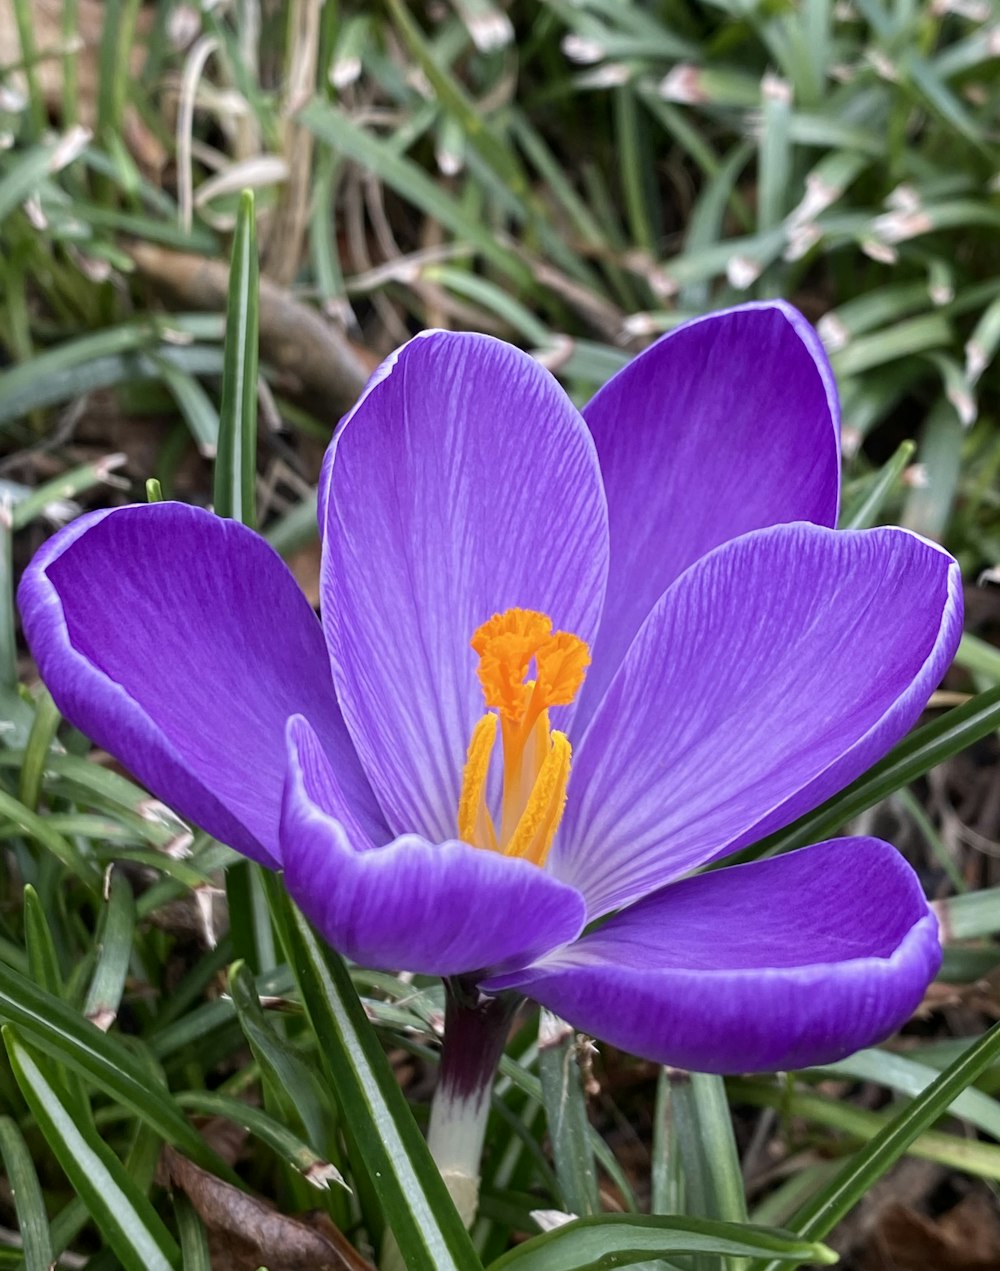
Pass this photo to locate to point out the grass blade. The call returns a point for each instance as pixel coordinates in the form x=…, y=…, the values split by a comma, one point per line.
x=115, y=935
x=236, y=464
x=618, y=1240
x=424, y=1221
x=566, y=1110
x=816, y=1219
x=69, y=1038
x=29, y=1203
x=124, y=1215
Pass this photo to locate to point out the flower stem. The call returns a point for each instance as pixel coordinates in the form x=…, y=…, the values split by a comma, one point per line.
x=475, y=1032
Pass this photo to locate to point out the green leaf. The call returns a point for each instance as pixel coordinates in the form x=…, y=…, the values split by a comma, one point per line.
x=68, y=485
x=43, y=960
x=970, y=917
x=864, y=511
x=566, y=1112
x=115, y=934
x=832, y=1202
x=44, y=969
x=236, y=463
x=953, y=1150
x=23, y=177
x=707, y=1144
x=978, y=656
x=617, y=1240
x=75, y=368
x=124, y=1215
x=29, y=1203
x=194, y=404
x=101, y=1058
x=43, y=730
x=194, y=1240
x=300, y=1156
x=295, y=1084
x=335, y=129
x=36, y=827
x=910, y=1077
x=424, y=1221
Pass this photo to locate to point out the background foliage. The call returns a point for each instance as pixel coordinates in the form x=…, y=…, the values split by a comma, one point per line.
x=576, y=176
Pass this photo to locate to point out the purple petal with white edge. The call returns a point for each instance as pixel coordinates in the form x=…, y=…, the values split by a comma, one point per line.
x=784, y=963
x=729, y=423
x=434, y=908
x=463, y=483
x=181, y=643
x=772, y=673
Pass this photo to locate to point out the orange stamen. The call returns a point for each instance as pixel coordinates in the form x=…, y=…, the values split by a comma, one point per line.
x=536, y=760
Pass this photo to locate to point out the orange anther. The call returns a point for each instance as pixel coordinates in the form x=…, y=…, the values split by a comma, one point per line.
x=507, y=644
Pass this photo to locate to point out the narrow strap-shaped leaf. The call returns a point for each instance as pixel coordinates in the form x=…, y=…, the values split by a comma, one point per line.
x=55, y=494
x=865, y=510
x=37, y=828
x=43, y=960
x=334, y=128
x=44, y=969
x=249, y=921
x=194, y=1241
x=425, y=1223
x=831, y=1203
x=299, y=1155
x=970, y=916
x=566, y=1111
x=293, y=1082
x=910, y=1077
x=955, y=1151
x=124, y=1215
x=704, y=1140
x=979, y=657
x=115, y=934
x=29, y=1204
x=619, y=1240
x=23, y=177
x=68, y=1037
x=236, y=464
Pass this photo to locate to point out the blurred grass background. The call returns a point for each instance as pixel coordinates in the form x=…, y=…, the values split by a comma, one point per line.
x=576, y=176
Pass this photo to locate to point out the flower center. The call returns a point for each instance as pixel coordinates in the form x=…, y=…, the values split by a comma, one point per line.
x=536, y=758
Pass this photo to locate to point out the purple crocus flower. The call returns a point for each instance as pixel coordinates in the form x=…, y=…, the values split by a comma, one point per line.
x=566, y=660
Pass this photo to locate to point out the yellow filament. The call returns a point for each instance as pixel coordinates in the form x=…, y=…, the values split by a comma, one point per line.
x=475, y=825
x=524, y=751
x=536, y=760
x=543, y=811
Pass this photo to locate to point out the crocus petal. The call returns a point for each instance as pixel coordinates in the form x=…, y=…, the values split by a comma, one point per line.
x=463, y=483
x=772, y=673
x=181, y=643
x=785, y=963
x=728, y=424
x=434, y=908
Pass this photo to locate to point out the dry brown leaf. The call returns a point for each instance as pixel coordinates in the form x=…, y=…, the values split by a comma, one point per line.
x=966, y=1238
x=246, y=1232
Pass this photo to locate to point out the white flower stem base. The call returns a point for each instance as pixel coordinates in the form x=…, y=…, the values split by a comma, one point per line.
x=475, y=1032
